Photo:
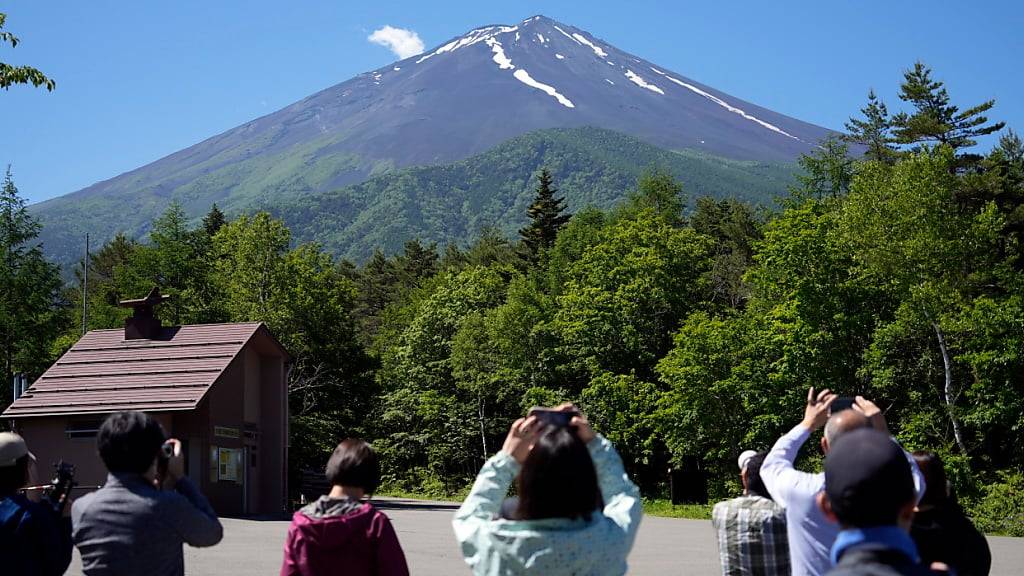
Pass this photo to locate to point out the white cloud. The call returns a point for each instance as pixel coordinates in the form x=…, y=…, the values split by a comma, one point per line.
x=404, y=43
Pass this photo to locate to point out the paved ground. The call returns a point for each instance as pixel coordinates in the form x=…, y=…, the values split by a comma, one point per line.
x=663, y=546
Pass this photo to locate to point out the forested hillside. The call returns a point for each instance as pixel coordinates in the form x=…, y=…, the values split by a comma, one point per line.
x=454, y=203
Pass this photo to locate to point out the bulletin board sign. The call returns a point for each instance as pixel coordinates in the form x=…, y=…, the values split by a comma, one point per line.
x=225, y=464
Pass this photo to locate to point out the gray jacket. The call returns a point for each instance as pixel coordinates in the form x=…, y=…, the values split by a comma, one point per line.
x=129, y=528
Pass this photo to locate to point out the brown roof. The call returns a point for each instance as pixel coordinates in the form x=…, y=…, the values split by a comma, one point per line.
x=105, y=373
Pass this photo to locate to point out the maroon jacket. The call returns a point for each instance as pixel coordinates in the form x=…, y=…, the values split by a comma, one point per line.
x=333, y=537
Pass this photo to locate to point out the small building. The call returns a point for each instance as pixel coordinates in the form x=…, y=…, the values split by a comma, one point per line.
x=219, y=388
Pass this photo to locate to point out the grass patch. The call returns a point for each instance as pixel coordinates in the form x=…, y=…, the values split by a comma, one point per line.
x=659, y=507
x=652, y=506
x=422, y=495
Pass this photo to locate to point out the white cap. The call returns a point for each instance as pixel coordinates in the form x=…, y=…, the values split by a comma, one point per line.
x=12, y=447
x=744, y=457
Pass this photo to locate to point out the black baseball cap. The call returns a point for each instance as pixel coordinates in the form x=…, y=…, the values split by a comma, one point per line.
x=867, y=479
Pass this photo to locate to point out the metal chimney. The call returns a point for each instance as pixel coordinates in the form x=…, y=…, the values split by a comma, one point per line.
x=143, y=324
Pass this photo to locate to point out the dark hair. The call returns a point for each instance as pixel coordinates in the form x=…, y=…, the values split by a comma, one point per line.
x=12, y=478
x=558, y=479
x=354, y=463
x=934, y=472
x=128, y=442
x=754, y=483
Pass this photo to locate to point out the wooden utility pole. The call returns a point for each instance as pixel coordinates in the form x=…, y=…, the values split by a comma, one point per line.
x=85, y=288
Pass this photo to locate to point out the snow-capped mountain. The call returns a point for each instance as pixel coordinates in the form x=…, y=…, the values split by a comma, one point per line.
x=453, y=101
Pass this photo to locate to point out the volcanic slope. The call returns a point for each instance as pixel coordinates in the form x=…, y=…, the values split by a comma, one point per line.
x=451, y=102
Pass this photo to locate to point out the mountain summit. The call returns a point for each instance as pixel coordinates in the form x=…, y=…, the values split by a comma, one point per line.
x=456, y=100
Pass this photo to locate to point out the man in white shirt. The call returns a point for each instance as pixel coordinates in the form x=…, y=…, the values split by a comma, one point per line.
x=810, y=534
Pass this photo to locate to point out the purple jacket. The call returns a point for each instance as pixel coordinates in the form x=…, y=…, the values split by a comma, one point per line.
x=333, y=537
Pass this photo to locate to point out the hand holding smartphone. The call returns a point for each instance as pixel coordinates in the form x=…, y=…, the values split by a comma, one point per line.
x=553, y=416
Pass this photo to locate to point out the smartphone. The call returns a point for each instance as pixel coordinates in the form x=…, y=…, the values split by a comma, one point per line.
x=556, y=418
x=841, y=403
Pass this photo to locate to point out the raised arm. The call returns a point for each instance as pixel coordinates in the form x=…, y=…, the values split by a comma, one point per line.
x=190, y=514
x=778, y=473
x=621, y=496
x=878, y=422
x=483, y=503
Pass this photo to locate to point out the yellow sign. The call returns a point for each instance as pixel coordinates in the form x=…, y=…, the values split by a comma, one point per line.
x=226, y=432
x=228, y=468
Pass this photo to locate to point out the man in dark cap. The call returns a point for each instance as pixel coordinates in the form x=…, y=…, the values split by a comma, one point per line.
x=34, y=539
x=869, y=492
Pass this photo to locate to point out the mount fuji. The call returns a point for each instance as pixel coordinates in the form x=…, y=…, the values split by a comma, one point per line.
x=455, y=101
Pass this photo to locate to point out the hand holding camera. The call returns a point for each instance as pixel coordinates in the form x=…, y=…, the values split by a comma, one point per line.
x=525, y=431
x=170, y=464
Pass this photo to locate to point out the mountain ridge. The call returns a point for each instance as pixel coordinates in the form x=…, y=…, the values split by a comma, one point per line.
x=458, y=99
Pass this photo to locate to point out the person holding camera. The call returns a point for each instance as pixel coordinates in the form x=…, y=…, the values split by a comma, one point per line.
x=810, y=533
x=137, y=522
x=35, y=540
x=577, y=511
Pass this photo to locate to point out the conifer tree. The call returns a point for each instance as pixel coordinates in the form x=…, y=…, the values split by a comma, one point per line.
x=934, y=119
x=546, y=217
x=214, y=220
x=30, y=298
x=873, y=131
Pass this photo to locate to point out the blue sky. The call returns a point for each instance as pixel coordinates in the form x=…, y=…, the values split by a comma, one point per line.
x=140, y=80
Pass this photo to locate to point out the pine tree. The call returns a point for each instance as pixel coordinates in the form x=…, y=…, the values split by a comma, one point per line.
x=546, y=217
x=30, y=299
x=828, y=172
x=874, y=131
x=213, y=221
x=935, y=120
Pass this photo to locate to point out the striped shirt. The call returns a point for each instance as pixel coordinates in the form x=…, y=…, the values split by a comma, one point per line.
x=751, y=537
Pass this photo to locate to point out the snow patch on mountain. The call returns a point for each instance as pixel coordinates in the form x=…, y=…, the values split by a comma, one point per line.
x=583, y=40
x=524, y=77
x=609, y=81
x=559, y=56
x=541, y=38
x=566, y=34
x=503, y=61
x=473, y=37
x=639, y=81
x=725, y=104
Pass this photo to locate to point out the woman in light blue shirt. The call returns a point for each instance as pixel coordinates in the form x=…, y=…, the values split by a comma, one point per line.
x=577, y=512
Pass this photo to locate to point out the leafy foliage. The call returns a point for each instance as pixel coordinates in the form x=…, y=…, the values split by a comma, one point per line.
x=10, y=74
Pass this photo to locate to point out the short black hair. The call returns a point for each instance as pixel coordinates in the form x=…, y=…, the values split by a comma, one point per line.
x=558, y=479
x=12, y=478
x=354, y=463
x=754, y=483
x=128, y=442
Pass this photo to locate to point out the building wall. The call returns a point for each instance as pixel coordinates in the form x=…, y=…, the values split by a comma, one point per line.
x=273, y=434
x=245, y=410
x=48, y=440
x=226, y=408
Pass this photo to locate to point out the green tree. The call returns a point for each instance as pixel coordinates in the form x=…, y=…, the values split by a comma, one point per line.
x=213, y=221
x=250, y=266
x=30, y=302
x=546, y=217
x=827, y=172
x=177, y=259
x=658, y=191
x=735, y=228
x=906, y=231
x=10, y=75
x=934, y=120
x=874, y=131
x=627, y=293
